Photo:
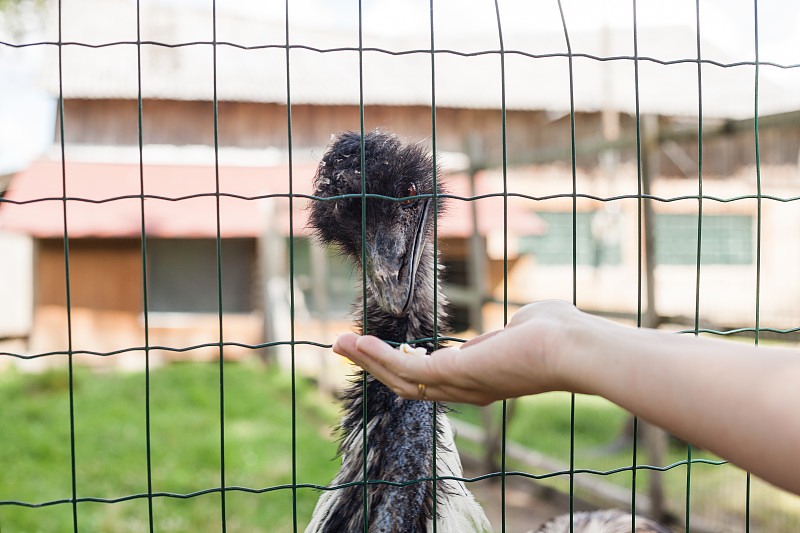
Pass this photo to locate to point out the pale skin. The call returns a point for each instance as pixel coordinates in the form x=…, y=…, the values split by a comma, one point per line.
x=735, y=399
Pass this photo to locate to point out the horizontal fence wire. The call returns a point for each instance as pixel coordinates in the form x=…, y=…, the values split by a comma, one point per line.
x=535, y=198
x=501, y=53
x=272, y=344
x=445, y=51
x=293, y=486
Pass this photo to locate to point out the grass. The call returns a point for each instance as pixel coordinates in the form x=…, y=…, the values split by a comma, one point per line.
x=111, y=455
x=717, y=493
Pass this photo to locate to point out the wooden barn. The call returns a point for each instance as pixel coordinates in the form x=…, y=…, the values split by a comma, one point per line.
x=181, y=140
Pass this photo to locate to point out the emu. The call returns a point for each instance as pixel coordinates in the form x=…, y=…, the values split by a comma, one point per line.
x=399, y=271
x=399, y=265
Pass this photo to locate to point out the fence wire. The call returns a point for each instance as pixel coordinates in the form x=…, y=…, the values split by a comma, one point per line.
x=575, y=195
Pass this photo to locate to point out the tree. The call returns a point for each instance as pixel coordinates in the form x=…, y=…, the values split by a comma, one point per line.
x=20, y=17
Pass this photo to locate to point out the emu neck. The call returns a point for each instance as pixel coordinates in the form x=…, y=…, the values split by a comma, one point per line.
x=425, y=316
x=400, y=433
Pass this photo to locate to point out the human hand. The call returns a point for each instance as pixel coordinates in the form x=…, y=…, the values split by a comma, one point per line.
x=552, y=346
x=515, y=361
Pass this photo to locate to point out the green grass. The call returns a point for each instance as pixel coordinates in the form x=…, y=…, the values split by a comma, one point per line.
x=111, y=457
x=717, y=492
x=543, y=423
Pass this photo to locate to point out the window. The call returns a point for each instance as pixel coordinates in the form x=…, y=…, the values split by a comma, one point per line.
x=727, y=239
x=598, y=235
x=329, y=282
x=182, y=275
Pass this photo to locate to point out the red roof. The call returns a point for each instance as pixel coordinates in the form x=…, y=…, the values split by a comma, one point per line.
x=104, y=201
x=457, y=219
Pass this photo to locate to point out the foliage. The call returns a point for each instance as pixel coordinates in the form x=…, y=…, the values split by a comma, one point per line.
x=11, y=6
x=20, y=17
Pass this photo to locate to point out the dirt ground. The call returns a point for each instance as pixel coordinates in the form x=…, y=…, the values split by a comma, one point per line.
x=527, y=504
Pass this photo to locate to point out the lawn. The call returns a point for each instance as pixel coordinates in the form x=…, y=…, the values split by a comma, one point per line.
x=111, y=453
x=717, y=493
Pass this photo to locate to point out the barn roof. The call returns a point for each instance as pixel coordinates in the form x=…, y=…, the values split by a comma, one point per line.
x=178, y=60
x=105, y=201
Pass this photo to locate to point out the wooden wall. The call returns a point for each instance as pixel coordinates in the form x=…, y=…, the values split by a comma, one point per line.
x=105, y=274
x=105, y=314
x=261, y=125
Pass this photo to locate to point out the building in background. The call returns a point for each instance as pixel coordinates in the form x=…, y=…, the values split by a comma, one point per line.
x=221, y=114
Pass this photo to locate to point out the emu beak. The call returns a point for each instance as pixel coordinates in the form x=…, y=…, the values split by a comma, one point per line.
x=392, y=259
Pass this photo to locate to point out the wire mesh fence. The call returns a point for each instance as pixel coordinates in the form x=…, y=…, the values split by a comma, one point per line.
x=594, y=164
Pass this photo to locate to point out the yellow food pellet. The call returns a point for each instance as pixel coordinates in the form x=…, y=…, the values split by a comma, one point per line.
x=405, y=348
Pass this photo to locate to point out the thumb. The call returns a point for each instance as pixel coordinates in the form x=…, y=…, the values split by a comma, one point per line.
x=480, y=338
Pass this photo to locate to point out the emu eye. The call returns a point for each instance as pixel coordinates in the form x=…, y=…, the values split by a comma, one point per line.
x=411, y=191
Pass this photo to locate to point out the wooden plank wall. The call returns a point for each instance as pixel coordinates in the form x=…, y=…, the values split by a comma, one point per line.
x=261, y=125
x=105, y=274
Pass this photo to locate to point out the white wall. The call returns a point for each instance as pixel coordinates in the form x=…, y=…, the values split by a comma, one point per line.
x=16, y=284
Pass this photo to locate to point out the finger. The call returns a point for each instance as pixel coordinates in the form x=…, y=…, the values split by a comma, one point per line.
x=404, y=373
x=375, y=347
x=380, y=360
x=480, y=338
x=446, y=393
x=408, y=366
x=345, y=344
x=366, y=349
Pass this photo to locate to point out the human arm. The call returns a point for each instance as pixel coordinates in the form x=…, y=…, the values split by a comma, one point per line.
x=734, y=399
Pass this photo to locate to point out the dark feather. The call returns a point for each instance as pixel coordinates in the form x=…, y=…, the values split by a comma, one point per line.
x=400, y=432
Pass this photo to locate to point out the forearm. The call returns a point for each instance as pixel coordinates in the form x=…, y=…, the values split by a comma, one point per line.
x=734, y=399
x=727, y=397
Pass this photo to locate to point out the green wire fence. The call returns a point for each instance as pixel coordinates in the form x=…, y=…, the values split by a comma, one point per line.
x=571, y=158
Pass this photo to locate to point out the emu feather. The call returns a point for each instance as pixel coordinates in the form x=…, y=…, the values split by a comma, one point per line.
x=400, y=306
x=606, y=521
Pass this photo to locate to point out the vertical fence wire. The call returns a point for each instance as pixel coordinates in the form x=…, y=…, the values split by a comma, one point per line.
x=68, y=292
x=687, y=512
x=292, y=302
x=758, y=222
x=574, y=169
x=220, y=313
x=435, y=199
x=639, y=240
x=504, y=163
x=145, y=294
x=364, y=326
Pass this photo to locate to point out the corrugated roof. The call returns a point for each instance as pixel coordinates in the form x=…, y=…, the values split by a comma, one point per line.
x=467, y=74
x=105, y=203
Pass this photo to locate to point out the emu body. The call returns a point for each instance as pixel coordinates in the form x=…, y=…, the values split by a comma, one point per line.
x=396, y=255
x=606, y=521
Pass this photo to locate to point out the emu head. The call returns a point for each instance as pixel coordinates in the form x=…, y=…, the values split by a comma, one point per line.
x=397, y=230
